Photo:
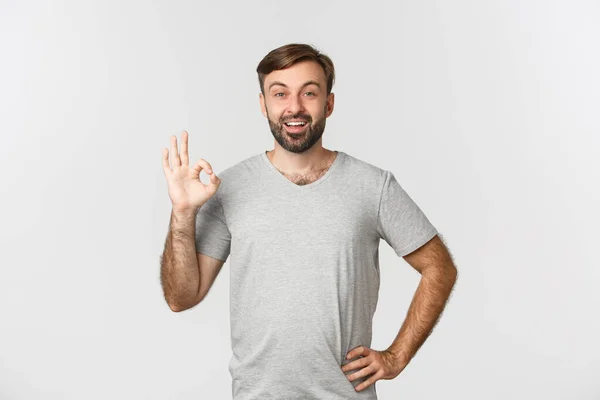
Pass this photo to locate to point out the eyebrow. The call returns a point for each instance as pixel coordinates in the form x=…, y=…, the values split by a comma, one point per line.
x=305, y=84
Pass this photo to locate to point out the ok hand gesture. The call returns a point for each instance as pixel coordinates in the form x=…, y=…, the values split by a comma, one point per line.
x=186, y=191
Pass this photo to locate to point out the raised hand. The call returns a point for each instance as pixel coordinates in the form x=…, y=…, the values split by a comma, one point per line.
x=186, y=191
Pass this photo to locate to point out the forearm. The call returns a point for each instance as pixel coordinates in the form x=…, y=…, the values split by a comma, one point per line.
x=427, y=305
x=180, y=277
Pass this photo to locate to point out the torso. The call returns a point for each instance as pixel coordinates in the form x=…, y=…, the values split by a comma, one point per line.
x=304, y=269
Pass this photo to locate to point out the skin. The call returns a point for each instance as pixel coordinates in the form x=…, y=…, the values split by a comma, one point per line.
x=438, y=276
x=298, y=92
x=186, y=276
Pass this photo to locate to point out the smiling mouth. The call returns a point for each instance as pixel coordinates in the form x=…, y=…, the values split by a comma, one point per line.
x=295, y=127
x=295, y=123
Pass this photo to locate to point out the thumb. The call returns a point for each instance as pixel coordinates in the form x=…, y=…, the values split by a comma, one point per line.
x=214, y=179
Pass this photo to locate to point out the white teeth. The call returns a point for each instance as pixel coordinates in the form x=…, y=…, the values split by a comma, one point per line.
x=295, y=123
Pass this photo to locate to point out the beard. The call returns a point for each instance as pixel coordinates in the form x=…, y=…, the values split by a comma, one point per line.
x=297, y=143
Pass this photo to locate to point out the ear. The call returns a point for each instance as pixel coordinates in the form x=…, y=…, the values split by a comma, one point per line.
x=330, y=102
x=263, y=108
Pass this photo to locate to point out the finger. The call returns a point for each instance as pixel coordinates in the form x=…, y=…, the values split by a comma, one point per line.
x=361, y=362
x=363, y=385
x=214, y=179
x=200, y=165
x=358, y=351
x=165, y=161
x=185, y=160
x=366, y=371
x=175, y=160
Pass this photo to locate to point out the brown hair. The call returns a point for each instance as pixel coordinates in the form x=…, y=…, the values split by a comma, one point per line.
x=288, y=55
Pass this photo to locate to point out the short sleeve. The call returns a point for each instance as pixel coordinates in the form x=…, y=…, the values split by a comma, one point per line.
x=212, y=235
x=400, y=222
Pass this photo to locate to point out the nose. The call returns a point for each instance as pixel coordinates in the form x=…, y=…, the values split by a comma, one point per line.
x=295, y=105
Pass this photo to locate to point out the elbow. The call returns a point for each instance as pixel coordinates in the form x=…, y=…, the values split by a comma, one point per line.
x=451, y=274
x=177, y=306
x=452, y=277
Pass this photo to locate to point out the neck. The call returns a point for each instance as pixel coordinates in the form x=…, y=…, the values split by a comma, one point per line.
x=297, y=163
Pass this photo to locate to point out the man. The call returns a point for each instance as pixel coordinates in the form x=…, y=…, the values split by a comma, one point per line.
x=302, y=224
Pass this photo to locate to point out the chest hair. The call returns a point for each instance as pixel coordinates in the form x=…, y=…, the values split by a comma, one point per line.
x=308, y=177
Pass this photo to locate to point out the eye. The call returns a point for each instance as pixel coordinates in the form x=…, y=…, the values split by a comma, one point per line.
x=310, y=93
x=277, y=94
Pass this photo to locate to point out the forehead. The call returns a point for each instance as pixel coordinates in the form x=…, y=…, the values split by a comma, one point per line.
x=297, y=74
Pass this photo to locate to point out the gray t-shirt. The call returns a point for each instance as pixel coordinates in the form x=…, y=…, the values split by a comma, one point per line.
x=304, y=270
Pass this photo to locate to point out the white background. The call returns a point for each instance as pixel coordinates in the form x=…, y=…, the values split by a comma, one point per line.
x=487, y=112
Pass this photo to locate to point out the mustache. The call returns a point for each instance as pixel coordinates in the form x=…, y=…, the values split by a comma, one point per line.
x=303, y=117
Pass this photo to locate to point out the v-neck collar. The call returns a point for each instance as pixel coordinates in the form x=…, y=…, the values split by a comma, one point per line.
x=334, y=164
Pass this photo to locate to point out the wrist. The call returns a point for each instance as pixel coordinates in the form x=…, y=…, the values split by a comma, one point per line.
x=184, y=212
x=401, y=357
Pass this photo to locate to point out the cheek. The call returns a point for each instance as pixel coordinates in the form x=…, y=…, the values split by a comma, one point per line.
x=318, y=111
x=273, y=110
x=275, y=117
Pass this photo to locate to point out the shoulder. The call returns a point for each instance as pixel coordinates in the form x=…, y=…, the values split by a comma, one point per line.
x=366, y=172
x=239, y=175
x=240, y=171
